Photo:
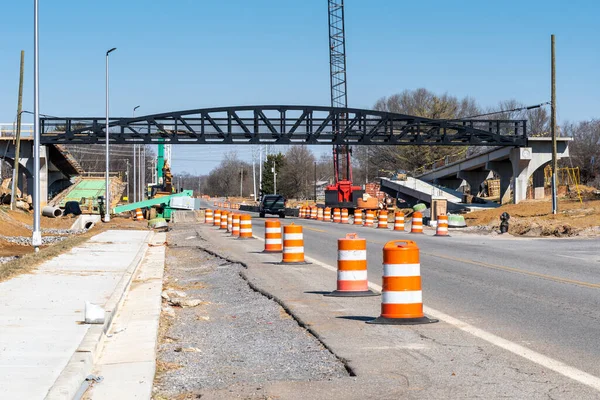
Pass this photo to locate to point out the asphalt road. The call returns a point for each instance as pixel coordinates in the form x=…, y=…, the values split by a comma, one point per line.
x=543, y=294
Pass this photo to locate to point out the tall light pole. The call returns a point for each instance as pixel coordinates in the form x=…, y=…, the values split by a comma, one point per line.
x=553, y=127
x=134, y=164
x=36, y=239
x=107, y=195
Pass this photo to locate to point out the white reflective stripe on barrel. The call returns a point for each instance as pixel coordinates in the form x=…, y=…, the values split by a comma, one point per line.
x=273, y=241
x=292, y=236
x=405, y=297
x=245, y=230
x=292, y=250
x=352, y=255
x=357, y=275
x=417, y=219
x=272, y=230
x=401, y=269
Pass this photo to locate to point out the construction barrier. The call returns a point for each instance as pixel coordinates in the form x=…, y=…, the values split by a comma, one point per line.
x=313, y=212
x=399, y=221
x=401, y=297
x=416, y=225
x=352, y=280
x=224, y=219
x=344, y=215
x=358, y=217
x=301, y=212
x=319, y=214
x=229, y=222
x=217, y=219
x=327, y=214
x=273, y=241
x=442, y=226
x=235, y=225
x=245, y=226
x=369, y=218
x=139, y=215
x=383, y=219
x=293, y=245
x=337, y=215
x=208, y=217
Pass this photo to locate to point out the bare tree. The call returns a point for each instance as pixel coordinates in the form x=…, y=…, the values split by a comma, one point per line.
x=584, y=150
x=297, y=173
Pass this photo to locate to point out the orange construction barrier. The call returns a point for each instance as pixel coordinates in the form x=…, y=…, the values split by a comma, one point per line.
x=369, y=218
x=352, y=280
x=208, y=217
x=337, y=215
x=416, y=225
x=235, y=225
x=217, y=219
x=401, y=297
x=139, y=215
x=327, y=214
x=383, y=219
x=301, y=212
x=344, y=216
x=273, y=241
x=224, y=219
x=319, y=214
x=293, y=245
x=399, y=221
x=245, y=226
x=229, y=222
x=442, y=226
x=313, y=212
x=358, y=217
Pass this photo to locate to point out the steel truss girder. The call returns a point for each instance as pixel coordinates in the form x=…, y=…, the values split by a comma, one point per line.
x=281, y=124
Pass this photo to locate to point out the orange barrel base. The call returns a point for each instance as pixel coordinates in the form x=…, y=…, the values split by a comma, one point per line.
x=402, y=321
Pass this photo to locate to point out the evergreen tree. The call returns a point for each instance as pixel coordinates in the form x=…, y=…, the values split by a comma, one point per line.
x=268, y=182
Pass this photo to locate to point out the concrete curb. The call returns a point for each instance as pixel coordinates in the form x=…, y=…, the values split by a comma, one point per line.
x=82, y=362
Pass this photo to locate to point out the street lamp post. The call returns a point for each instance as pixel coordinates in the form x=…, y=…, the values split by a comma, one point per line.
x=36, y=239
x=107, y=188
x=134, y=164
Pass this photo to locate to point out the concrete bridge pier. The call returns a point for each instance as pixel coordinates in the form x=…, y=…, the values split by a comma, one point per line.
x=504, y=170
x=474, y=179
x=452, y=183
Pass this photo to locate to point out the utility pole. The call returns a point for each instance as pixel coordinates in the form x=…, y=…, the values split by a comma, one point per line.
x=553, y=130
x=274, y=176
x=128, y=178
x=36, y=236
x=241, y=182
x=315, y=181
x=134, y=163
x=260, y=167
x=15, y=180
x=254, y=173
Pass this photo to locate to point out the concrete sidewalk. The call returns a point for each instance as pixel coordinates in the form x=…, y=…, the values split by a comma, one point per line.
x=45, y=349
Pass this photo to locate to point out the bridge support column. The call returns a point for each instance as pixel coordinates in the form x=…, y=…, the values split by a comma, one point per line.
x=505, y=171
x=452, y=183
x=474, y=179
x=525, y=162
x=43, y=175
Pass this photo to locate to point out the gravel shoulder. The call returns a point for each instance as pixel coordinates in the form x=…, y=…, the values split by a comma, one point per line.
x=235, y=339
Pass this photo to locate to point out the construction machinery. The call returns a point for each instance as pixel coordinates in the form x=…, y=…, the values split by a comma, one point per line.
x=342, y=193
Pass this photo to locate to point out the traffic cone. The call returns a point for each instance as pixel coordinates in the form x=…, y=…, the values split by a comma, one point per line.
x=399, y=221
x=358, y=217
x=352, y=279
x=273, y=242
x=139, y=215
x=442, y=226
x=208, y=217
x=383, y=220
x=416, y=225
x=401, y=297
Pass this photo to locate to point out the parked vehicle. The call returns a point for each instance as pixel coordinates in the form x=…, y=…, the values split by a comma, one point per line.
x=272, y=204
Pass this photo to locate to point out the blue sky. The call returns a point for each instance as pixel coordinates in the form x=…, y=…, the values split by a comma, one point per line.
x=185, y=54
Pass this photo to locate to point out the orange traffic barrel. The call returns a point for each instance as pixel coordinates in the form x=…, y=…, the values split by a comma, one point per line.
x=235, y=225
x=229, y=221
x=301, y=212
x=369, y=218
x=337, y=215
x=416, y=225
x=383, y=219
x=224, y=219
x=273, y=241
x=215, y=203
x=399, y=221
x=208, y=217
x=319, y=214
x=293, y=245
x=327, y=214
x=442, y=226
x=344, y=215
x=139, y=215
x=401, y=296
x=352, y=279
x=313, y=212
x=245, y=226
x=217, y=219
x=358, y=217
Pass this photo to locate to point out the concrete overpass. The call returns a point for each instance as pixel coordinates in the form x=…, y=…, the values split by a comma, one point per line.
x=57, y=166
x=514, y=166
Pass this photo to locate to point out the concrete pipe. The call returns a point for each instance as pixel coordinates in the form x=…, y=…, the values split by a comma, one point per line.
x=51, y=212
x=88, y=225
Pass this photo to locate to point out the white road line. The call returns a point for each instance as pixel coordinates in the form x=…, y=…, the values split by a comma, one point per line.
x=528, y=354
